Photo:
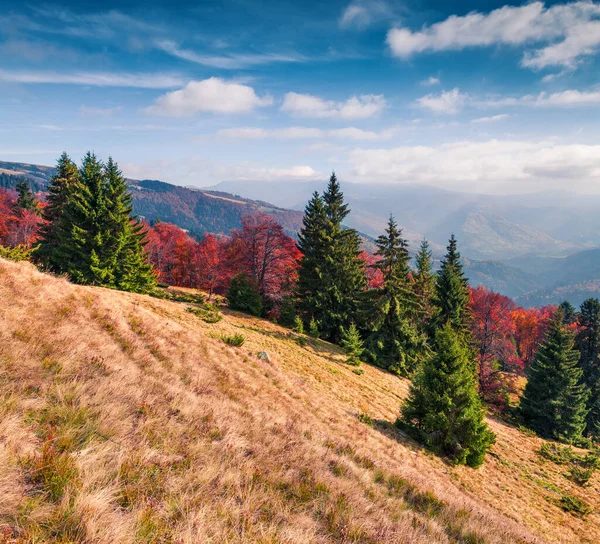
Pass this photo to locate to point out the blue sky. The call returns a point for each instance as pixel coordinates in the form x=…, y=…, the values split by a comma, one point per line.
x=475, y=96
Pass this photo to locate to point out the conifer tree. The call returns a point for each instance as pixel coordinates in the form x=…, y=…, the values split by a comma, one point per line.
x=243, y=295
x=67, y=175
x=93, y=237
x=352, y=344
x=444, y=409
x=554, y=399
x=126, y=238
x=587, y=342
x=451, y=295
x=331, y=273
x=83, y=228
x=313, y=243
x=25, y=198
x=394, y=342
x=424, y=282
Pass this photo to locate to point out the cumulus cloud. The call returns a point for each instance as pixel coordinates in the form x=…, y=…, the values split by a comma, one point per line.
x=430, y=81
x=508, y=165
x=356, y=107
x=212, y=95
x=304, y=133
x=563, y=33
x=446, y=102
x=96, y=79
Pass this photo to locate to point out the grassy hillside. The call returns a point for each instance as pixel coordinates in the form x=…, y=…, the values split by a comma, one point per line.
x=126, y=418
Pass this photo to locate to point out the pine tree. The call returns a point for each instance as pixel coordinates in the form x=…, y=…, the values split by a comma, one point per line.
x=451, y=296
x=424, y=282
x=124, y=245
x=394, y=342
x=25, y=198
x=554, y=399
x=352, y=344
x=443, y=408
x=587, y=342
x=331, y=273
x=66, y=177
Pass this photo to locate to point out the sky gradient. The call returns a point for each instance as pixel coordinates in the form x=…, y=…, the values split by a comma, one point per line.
x=474, y=96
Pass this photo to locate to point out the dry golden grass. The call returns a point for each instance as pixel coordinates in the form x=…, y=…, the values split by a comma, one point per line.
x=125, y=418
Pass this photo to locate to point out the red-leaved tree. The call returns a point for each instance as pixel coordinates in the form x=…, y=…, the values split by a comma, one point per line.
x=211, y=264
x=493, y=330
x=262, y=250
x=530, y=328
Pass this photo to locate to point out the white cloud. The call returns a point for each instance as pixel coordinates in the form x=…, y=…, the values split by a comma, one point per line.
x=502, y=165
x=213, y=94
x=356, y=107
x=304, y=133
x=96, y=79
x=445, y=102
x=570, y=30
x=430, y=81
x=568, y=98
x=490, y=119
x=363, y=13
x=229, y=62
x=93, y=111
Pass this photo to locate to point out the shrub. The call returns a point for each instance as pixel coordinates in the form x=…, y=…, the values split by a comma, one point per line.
x=243, y=296
x=17, y=253
x=298, y=325
x=235, y=340
x=555, y=453
x=580, y=475
x=365, y=418
x=578, y=506
x=313, y=328
x=209, y=313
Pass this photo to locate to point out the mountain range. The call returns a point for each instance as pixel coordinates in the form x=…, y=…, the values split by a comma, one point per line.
x=537, y=248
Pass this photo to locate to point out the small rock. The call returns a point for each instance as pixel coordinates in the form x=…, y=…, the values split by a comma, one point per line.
x=264, y=356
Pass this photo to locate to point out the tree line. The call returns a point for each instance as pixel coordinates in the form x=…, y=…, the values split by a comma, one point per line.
x=460, y=346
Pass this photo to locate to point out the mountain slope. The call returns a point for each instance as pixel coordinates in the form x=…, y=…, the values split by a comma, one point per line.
x=191, y=209
x=141, y=425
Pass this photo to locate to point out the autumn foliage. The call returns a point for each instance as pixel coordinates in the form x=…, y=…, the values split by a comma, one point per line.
x=260, y=249
x=18, y=226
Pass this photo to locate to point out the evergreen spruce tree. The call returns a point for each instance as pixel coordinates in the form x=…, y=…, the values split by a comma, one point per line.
x=124, y=244
x=451, y=295
x=67, y=176
x=554, y=399
x=25, y=198
x=394, y=341
x=313, y=243
x=84, y=227
x=568, y=311
x=93, y=237
x=352, y=344
x=444, y=409
x=243, y=295
x=424, y=282
x=331, y=273
x=587, y=342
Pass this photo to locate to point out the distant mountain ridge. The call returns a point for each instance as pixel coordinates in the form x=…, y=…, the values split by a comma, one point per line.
x=195, y=210
x=500, y=252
